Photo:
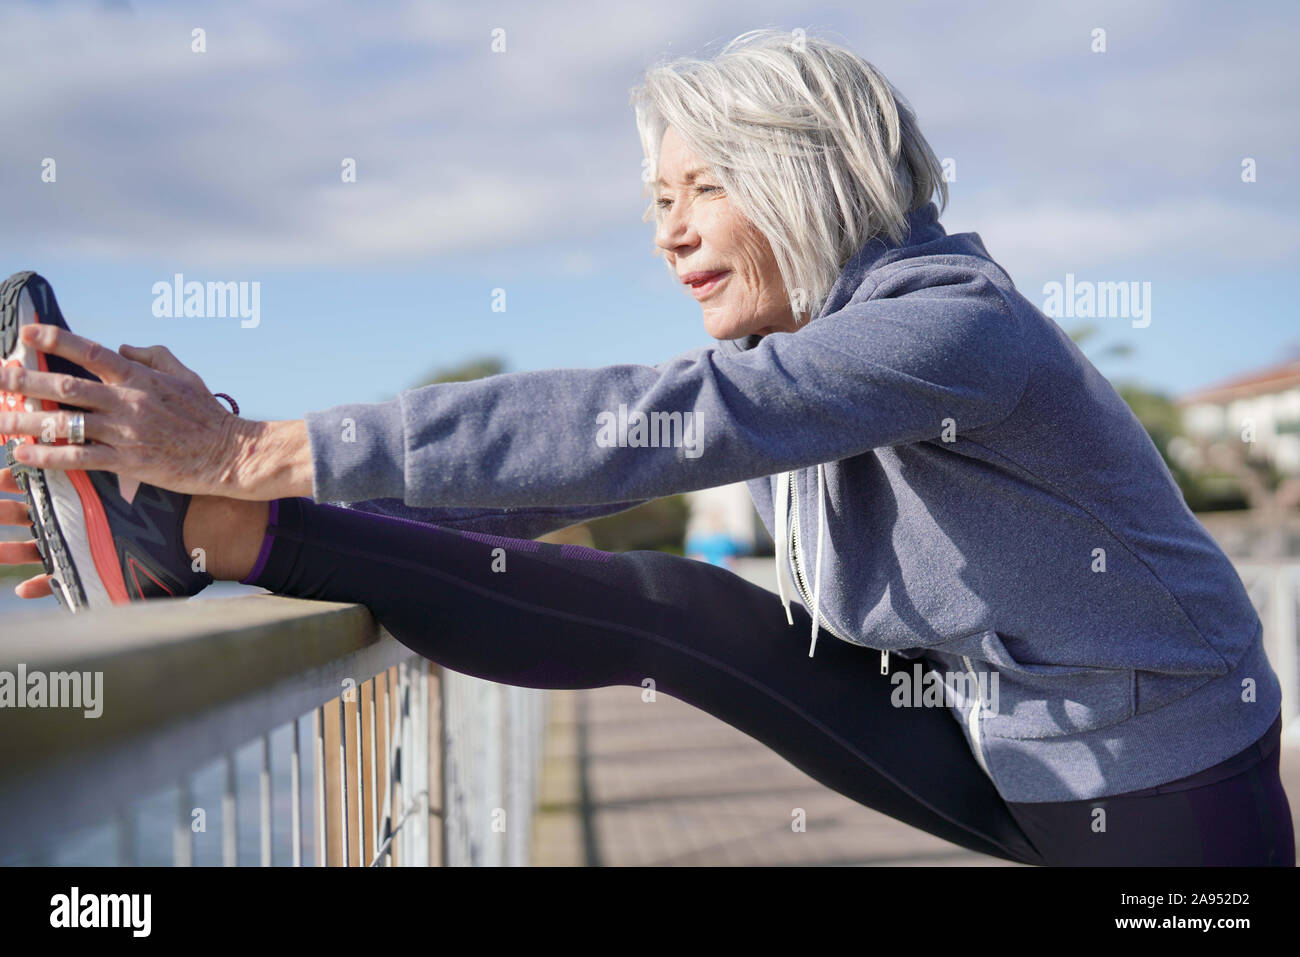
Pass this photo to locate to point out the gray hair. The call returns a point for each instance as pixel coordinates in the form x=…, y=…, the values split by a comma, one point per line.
x=809, y=140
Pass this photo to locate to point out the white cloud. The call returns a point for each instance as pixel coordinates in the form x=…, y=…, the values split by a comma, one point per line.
x=1054, y=237
x=233, y=156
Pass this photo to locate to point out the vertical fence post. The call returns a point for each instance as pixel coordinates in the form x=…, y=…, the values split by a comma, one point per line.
x=509, y=782
x=360, y=766
x=264, y=796
x=411, y=767
x=389, y=784
x=335, y=768
x=434, y=780
x=343, y=782
x=295, y=797
x=402, y=761
x=420, y=745
x=374, y=771
x=229, y=823
x=182, y=829
x=322, y=819
x=410, y=780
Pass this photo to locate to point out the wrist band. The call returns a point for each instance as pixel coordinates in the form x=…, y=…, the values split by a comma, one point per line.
x=234, y=406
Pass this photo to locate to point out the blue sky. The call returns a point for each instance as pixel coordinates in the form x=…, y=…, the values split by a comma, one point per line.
x=520, y=170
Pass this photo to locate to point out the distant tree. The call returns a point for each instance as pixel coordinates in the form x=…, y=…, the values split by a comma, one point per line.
x=471, y=369
x=658, y=524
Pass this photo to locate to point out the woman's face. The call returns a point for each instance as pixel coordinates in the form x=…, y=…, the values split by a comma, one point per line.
x=719, y=255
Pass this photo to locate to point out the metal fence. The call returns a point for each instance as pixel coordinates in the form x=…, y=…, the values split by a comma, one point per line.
x=262, y=731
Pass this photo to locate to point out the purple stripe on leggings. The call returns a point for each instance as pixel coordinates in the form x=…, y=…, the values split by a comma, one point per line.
x=583, y=553
x=523, y=544
x=272, y=517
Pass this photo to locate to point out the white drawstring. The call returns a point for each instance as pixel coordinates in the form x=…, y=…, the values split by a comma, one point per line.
x=817, y=575
x=782, y=538
x=782, y=528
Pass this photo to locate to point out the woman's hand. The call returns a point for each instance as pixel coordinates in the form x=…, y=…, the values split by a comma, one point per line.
x=20, y=553
x=152, y=419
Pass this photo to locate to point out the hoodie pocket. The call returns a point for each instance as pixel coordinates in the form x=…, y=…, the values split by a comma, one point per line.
x=1028, y=700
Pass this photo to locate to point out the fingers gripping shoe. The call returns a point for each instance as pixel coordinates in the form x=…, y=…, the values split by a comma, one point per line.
x=100, y=547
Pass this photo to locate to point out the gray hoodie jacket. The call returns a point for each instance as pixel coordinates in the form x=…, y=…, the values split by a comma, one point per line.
x=946, y=478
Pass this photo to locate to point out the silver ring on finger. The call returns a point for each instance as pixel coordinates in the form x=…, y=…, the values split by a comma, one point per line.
x=77, y=429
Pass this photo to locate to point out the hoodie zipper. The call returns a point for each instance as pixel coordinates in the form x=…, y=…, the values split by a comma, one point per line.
x=799, y=580
x=973, y=718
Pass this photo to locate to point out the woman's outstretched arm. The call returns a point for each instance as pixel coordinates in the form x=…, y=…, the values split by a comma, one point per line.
x=907, y=365
x=903, y=365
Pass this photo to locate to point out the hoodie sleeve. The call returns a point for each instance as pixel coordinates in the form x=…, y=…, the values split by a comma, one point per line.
x=936, y=342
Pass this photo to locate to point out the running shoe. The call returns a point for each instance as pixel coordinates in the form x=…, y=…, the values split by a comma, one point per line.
x=100, y=548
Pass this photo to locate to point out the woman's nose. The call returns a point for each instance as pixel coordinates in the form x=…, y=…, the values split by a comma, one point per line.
x=675, y=231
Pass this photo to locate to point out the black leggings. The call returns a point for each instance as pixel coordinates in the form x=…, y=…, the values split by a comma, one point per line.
x=539, y=615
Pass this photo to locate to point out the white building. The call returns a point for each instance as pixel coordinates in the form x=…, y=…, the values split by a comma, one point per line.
x=1260, y=408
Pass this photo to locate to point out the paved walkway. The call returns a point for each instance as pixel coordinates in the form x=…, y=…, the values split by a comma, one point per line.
x=663, y=783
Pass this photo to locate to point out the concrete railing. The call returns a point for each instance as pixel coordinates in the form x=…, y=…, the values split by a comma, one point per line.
x=254, y=730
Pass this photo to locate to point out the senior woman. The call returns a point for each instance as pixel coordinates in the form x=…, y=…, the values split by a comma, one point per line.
x=1038, y=652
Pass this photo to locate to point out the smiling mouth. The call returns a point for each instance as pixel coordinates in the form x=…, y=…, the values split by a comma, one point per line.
x=704, y=283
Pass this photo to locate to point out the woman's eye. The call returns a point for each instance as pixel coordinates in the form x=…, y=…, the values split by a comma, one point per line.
x=665, y=202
